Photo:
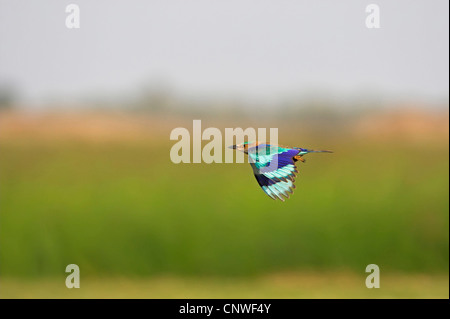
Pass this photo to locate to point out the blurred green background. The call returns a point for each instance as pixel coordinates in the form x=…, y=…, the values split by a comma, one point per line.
x=99, y=190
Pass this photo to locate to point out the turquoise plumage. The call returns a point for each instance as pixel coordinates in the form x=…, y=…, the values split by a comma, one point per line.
x=274, y=166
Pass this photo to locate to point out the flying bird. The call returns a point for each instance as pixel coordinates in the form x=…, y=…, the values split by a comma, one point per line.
x=274, y=166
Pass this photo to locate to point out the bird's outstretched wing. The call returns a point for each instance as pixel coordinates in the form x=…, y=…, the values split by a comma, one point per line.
x=274, y=169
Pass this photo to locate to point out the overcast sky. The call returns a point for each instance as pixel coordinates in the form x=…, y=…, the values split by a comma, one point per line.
x=251, y=48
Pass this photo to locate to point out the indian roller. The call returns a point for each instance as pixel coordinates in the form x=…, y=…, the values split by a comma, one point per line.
x=274, y=166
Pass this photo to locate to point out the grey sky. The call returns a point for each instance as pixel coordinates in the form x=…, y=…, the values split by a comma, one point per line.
x=252, y=48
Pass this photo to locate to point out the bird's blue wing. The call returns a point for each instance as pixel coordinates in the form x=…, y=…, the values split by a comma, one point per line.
x=274, y=169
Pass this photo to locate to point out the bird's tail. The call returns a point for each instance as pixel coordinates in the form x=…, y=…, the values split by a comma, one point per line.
x=306, y=151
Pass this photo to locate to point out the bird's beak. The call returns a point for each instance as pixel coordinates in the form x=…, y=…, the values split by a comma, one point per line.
x=232, y=147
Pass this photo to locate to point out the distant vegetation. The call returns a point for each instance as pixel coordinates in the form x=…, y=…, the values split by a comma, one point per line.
x=7, y=97
x=120, y=207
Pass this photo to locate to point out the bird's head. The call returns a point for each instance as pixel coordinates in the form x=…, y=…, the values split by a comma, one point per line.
x=243, y=147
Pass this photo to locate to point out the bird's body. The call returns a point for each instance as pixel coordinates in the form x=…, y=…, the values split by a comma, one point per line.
x=274, y=166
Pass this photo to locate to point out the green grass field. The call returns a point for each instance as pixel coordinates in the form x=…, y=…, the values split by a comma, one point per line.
x=123, y=210
x=309, y=285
